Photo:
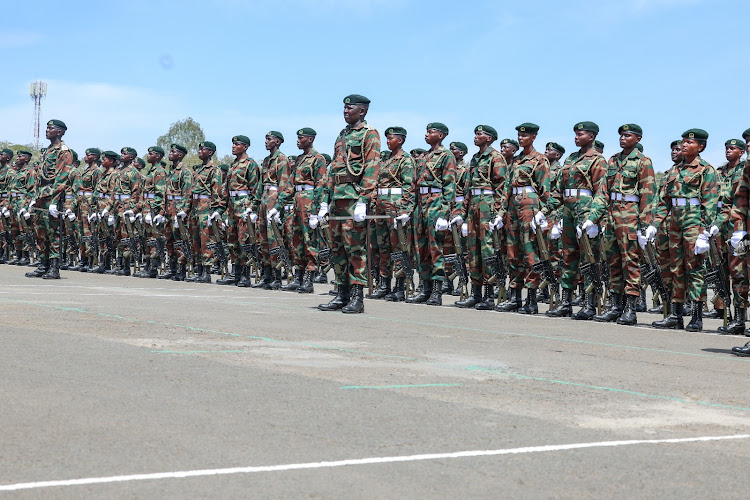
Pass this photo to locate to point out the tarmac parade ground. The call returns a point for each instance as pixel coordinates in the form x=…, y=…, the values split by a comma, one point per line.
x=117, y=387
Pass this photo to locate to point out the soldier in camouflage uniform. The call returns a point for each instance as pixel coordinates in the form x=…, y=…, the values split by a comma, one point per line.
x=179, y=185
x=274, y=171
x=153, y=188
x=579, y=180
x=84, y=182
x=100, y=218
x=126, y=191
x=50, y=182
x=525, y=197
x=626, y=197
x=304, y=192
x=459, y=150
x=352, y=180
x=687, y=204
x=6, y=247
x=554, y=152
x=19, y=194
x=482, y=210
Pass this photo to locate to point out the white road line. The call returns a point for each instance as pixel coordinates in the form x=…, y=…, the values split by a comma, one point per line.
x=359, y=461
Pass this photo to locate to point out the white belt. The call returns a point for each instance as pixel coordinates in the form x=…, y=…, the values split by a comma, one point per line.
x=200, y=197
x=288, y=208
x=238, y=193
x=577, y=192
x=681, y=202
x=624, y=197
x=85, y=193
x=15, y=195
x=174, y=197
x=389, y=191
x=303, y=187
x=459, y=199
x=271, y=187
x=523, y=189
x=149, y=196
x=719, y=204
x=102, y=195
x=426, y=190
x=480, y=192
x=122, y=196
x=4, y=195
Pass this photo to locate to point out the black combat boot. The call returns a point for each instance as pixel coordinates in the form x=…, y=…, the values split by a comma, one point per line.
x=737, y=325
x=204, y=276
x=565, y=307
x=171, y=271
x=581, y=297
x=4, y=253
x=398, y=292
x=118, y=266
x=687, y=309
x=674, y=320
x=216, y=268
x=125, y=271
x=743, y=351
x=615, y=310
x=696, y=321
x=53, y=273
x=717, y=313
x=145, y=270
x=181, y=272
x=487, y=302
x=448, y=287
x=153, y=271
x=25, y=259
x=103, y=265
x=629, y=317
x=473, y=299
x=82, y=264
x=321, y=277
x=436, y=297
x=276, y=283
x=64, y=262
x=14, y=261
x=422, y=296
x=531, y=306
x=339, y=301
x=356, y=302
x=232, y=277
x=383, y=289
x=589, y=310
x=41, y=270
x=307, y=283
x=640, y=305
x=334, y=290
x=544, y=295
x=660, y=308
x=197, y=271
x=294, y=285
x=265, y=283
x=514, y=302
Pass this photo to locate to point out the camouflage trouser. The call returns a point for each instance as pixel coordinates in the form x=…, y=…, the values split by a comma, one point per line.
x=735, y=267
x=172, y=234
x=200, y=232
x=662, y=253
x=554, y=247
x=348, y=246
x=266, y=239
x=236, y=230
x=683, y=226
x=303, y=246
x=385, y=236
x=86, y=206
x=521, y=242
x=574, y=210
x=622, y=250
x=287, y=229
x=429, y=241
x=479, y=239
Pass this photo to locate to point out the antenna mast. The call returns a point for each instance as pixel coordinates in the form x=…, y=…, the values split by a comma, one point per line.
x=37, y=92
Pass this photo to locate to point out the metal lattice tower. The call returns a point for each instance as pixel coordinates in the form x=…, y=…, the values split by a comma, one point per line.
x=37, y=91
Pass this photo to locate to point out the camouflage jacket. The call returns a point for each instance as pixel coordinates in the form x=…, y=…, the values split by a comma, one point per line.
x=631, y=175
x=126, y=181
x=696, y=179
x=729, y=180
x=153, y=188
x=84, y=180
x=244, y=175
x=580, y=171
x=207, y=181
x=179, y=183
x=6, y=176
x=309, y=170
x=104, y=189
x=353, y=173
x=437, y=170
x=462, y=176
x=529, y=170
x=52, y=177
x=398, y=172
x=741, y=201
x=487, y=170
x=20, y=179
x=275, y=174
x=555, y=169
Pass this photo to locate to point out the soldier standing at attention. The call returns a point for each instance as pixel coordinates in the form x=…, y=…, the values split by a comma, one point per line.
x=626, y=196
x=554, y=152
x=579, y=180
x=50, y=182
x=525, y=197
x=687, y=205
x=459, y=150
x=352, y=181
x=126, y=190
x=5, y=177
x=153, y=187
x=275, y=171
x=483, y=212
x=19, y=184
x=177, y=191
x=84, y=183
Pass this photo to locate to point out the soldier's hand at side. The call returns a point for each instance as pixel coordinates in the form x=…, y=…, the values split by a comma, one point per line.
x=111, y=220
x=592, y=230
x=148, y=219
x=496, y=223
x=441, y=224
x=159, y=219
x=403, y=218
x=6, y=212
x=313, y=221
x=737, y=236
x=71, y=216
x=642, y=240
x=215, y=216
x=360, y=211
x=31, y=205
x=650, y=233
x=713, y=230
x=93, y=217
x=556, y=231
x=53, y=211
x=182, y=214
x=465, y=230
x=457, y=220
x=701, y=244
x=274, y=215
x=540, y=220
x=323, y=210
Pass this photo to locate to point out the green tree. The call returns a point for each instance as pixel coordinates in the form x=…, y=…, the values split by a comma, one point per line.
x=186, y=132
x=18, y=147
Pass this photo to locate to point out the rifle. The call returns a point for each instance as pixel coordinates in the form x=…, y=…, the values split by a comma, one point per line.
x=132, y=243
x=497, y=266
x=252, y=250
x=459, y=264
x=545, y=269
x=27, y=235
x=403, y=257
x=70, y=239
x=591, y=267
x=185, y=244
x=6, y=234
x=325, y=262
x=281, y=251
x=716, y=278
x=217, y=246
x=651, y=274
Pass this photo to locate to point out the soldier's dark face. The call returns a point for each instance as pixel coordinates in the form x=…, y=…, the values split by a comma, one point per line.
x=525, y=139
x=175, y=155
x=552, y=154
x=354, y=113
x=481, y=139
x=127, y=157
x=584, y=138
x=22, y=160
x=677, y=153
x=107, y=162
x=433, y=137
x=89, y=158
x=304, y=141
x=238, y=148
x=53, y=132
x=458, y=153
x=4, y=157
x=205, y=154
x=691, y=148
x=733, y=153
x=508, y=150
x=153, y=157
x=628, y=140
x=272, y=142
x=394, y=141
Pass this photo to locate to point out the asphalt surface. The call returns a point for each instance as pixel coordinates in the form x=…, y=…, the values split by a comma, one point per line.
x=107, y=376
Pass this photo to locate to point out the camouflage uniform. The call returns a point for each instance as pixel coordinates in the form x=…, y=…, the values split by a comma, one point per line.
x=84, y=182
x=178, y=188
x=18, y=186
x=126, y=192
x=207, y=198
x=153, y=189
x=243, y=190
x=5, y=179
x=274, y=172
x=555, y=216
x=449, y=246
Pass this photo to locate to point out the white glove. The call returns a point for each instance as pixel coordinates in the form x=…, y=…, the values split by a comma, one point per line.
x=496, y=223
x=323, y=210
x=360, y=211
x=159, y=219
x=713, y=230
x=403, y=218
x=209, y=221
x=457, y=220
x=53, y=211
x=111, y=220
x=313, y=221
x=244, y=214
x=6, y=212
x=31, y=205
x=441, y=224
x=72, y=216
x=737, y=236
x=139, y=216
x=148, y=219
x=556, y=231
x=104, y=213
x=273, y=214
x=642, y=240
x=92, y=217
x=128, y=213
x=215, y=216
x=253, y=217
x=649, y=233
x=26, y=215
x=226, y=222
x=175, y=224
x=182, y=214
x=592, y=230
x=465, y=229
x=540, y=220
x=701, y=244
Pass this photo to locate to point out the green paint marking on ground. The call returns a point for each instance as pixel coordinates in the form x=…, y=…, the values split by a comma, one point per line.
x=401, y=386
x=199, y=352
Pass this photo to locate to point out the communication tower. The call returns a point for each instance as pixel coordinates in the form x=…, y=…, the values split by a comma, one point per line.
x=37, y=92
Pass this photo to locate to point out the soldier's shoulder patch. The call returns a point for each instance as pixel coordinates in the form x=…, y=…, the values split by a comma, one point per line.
x=64, y=147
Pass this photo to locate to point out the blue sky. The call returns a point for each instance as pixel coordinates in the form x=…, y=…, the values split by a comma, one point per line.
x=120, y=72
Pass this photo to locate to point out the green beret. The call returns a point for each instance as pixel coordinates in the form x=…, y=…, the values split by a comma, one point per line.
x=695, y=133
x=156, y=149
x=7, y=152
x=440, y=127
x=487, y=129
x=417, y=151
x=327, y=157
x=111, y=154
x=356, y=99
x=75, y=155
x=460, y=145
x=94, y=151
x=129, y=151
x=746, y=134
x=678, y=142
x=140, y=162
x=639, y=147
x=736, y=142
x=241, y=139
x=24, y=152
x=556, y=147
x=396, y=131
x=599, y=145
x=511, y=142
x=224, y=167
x=179, y=147
x=307, y=132
x=531, y=128
x=274, y=133
x=208, y=145
x=58, y=124
x=587, y=126
x=630, y=127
